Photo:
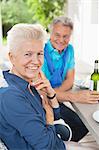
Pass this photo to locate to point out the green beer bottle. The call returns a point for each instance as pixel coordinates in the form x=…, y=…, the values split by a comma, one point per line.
x=94, y=83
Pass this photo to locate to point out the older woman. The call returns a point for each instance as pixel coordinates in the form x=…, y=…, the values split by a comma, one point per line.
x=26, y=115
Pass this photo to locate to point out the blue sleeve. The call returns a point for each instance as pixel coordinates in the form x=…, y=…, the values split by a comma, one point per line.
x=30, y=124
x=70, y=62
x=71, y=59
x=57, y=113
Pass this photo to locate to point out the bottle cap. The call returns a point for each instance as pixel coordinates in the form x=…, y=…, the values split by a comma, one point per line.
x=96, y=61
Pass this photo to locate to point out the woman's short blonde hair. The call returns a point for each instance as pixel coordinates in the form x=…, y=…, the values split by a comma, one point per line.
x=24, y=32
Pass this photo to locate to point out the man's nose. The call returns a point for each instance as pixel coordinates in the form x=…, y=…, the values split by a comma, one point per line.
x=61, y=39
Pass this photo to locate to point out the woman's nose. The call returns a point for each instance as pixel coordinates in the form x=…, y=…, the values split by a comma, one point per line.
x=35, y=60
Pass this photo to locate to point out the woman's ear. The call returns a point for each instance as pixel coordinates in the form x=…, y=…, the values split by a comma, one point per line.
x=11, y=57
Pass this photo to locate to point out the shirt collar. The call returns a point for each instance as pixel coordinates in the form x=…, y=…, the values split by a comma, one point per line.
x=50, y=47
x=14, y=79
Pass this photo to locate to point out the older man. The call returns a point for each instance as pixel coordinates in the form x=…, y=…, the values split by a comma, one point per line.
x=59, y=68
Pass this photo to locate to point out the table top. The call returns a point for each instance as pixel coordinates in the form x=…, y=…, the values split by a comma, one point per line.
x=85, y=112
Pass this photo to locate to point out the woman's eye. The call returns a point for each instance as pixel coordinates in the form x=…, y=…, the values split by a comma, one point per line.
x=28, y=54
x=40, y=54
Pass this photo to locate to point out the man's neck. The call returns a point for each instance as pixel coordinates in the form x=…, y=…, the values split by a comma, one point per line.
x=60, y=51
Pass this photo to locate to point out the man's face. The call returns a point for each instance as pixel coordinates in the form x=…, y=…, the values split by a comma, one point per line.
x=60, y=36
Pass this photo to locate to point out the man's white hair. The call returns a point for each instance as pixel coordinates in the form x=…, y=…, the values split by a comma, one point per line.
x=65, y=21
x=24, y=32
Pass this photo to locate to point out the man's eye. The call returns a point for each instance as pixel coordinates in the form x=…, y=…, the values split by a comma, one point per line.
x=57, y=35
x=66, y=36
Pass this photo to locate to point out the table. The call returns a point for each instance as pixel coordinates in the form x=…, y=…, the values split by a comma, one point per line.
x=85, y=112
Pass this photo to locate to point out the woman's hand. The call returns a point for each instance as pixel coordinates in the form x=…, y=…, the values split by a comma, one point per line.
x=43, y=84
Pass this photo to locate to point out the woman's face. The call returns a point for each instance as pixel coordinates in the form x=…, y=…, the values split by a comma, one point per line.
x=28, y=60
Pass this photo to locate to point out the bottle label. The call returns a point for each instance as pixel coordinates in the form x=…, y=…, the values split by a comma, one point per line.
x=94, y=85
x=91, y=85
x=97, y=86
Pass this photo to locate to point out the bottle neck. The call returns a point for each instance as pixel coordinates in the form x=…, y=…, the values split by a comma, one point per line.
x=96, y=71
x=96, y=67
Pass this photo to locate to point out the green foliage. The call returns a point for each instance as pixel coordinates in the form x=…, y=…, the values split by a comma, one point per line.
x=4, y=41
x=45, y=10
x=29, y=11
x=14, y=12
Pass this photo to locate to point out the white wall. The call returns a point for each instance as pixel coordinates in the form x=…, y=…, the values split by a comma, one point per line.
x=85, y=37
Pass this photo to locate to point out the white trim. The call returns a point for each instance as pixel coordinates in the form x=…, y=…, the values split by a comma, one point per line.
x=61, y=121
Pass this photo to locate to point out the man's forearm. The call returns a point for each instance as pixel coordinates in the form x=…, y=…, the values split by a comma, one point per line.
x=68, y=82
x=67, y=85
x=82, y=96
x=65, y=96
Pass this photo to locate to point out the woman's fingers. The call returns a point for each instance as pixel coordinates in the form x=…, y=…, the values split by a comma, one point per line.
x=41, y=85
x=42, y=75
